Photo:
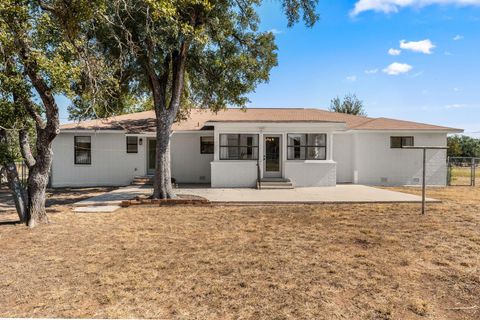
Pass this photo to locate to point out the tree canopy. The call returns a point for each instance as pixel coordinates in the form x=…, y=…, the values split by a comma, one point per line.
x=463, y=146
x=350, y=105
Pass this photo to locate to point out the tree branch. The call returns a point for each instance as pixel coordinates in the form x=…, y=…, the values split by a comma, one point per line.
x=179, y=59
x=25, y=148
x=31, y=68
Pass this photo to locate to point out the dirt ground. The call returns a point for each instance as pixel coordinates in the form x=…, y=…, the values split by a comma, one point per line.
x=57, y=199
x=272, y=262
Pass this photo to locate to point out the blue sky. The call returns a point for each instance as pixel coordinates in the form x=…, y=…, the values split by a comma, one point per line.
x=348, y=53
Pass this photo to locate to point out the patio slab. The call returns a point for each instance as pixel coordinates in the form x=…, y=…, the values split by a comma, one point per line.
x=337, y=194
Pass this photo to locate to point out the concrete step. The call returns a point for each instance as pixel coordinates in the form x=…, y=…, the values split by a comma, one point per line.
x=139, y=181
x=276, y=183
x=263, y=187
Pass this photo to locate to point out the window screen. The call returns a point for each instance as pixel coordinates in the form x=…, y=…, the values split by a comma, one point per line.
x=303, y=146
x=399, y=142
x=206, y=145
x=83, y=150
x=238, y=147
x=132, y=144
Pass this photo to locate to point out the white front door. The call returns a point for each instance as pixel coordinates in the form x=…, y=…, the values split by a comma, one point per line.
x=272, y=158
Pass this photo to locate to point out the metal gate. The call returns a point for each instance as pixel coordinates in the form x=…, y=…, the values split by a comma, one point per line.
x=463, y=171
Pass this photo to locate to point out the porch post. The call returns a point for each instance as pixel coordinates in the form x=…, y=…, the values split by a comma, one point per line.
x=330, y=146
x=260, y=152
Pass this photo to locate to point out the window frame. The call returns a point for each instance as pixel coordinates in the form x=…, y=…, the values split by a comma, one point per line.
x=212, y=145
x=75, y=151
x=132, y=144
x=239, y=147
x=306, y=146
x=402, y=141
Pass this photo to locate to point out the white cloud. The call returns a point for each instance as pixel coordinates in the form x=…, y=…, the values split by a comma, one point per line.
x=351, y=78
x=448, y=53
x=275, y=31
x=394, y=52
x=455, y=106
x=456, y=89
x=371, y=71
x=393, y=6
x=397, y=68
x=457, y=37
x=423, y=46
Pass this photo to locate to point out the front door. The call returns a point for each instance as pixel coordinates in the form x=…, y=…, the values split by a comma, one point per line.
x=152, y=146
x=272, y=167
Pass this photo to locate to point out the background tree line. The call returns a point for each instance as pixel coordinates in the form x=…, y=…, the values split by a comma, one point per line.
x=463, y=146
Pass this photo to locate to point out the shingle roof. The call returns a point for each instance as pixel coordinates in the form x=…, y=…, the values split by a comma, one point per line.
x=145, y=121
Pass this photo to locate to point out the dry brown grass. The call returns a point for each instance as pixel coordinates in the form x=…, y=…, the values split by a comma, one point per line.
x=275, y=262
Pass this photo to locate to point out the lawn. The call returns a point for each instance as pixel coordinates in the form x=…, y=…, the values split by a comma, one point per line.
x=461, y=176
x=272, y=262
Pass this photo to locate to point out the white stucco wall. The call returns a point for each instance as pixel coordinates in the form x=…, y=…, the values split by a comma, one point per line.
x=234, y=174
x=188, y=164
x=375, y=163
x=111, y=164
x=343, y=156
x=311, y=173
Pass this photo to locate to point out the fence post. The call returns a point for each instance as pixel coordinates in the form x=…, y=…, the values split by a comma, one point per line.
x=473, y=173
x=449, y=172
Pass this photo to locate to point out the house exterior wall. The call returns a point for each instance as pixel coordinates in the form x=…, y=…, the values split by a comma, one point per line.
x=311, y=173
x=113, y=166
x=302, y=173
x=188, y=164
x=375, y=163
x=343, y=156
x=357, y=157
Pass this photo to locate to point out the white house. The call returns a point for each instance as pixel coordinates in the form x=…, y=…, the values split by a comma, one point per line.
x=233, y=148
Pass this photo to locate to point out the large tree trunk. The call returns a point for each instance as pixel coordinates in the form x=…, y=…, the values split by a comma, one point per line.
x=162, y=186
x=17, y=190
x=37, y=185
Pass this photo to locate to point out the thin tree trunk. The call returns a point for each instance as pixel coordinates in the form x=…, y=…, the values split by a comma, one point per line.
x=17, y=190
x=162, y=186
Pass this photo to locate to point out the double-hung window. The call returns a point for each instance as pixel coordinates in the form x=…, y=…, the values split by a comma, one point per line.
x=238, y=146
x=83, y=150
x=132, y=144
x=206, y=145
x=307, y=146
x=399, y=142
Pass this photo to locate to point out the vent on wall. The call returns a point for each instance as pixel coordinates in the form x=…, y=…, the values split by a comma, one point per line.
x=383, y=179
x=416, y=180
x=201, y=178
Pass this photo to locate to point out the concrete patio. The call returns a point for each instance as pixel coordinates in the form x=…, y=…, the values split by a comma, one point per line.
x=337, y=194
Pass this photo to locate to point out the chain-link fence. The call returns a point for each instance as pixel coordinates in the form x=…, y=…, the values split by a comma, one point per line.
x=463, y=171
x=22, y=174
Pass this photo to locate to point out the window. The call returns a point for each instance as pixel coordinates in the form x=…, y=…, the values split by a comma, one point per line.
x=399, y=142
x=206, y=145
x=302, y=146
x=83, y=150
x=132, y=144
x=238, y=147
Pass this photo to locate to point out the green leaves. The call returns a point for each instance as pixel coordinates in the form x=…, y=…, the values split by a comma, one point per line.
x=350, y=105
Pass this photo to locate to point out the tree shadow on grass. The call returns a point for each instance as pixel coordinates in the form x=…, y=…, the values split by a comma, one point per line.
x=10, y=223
